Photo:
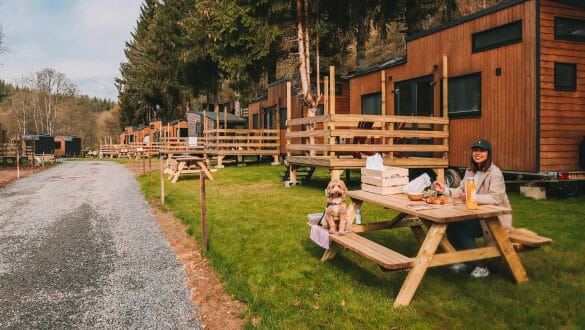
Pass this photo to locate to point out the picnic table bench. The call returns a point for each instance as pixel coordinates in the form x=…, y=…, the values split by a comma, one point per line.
x=178, y=165
x=429, y=227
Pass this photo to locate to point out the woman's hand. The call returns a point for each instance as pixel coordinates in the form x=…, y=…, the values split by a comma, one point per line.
x=439, y=187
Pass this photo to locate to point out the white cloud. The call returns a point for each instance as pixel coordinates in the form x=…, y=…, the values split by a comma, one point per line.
x=84, y=39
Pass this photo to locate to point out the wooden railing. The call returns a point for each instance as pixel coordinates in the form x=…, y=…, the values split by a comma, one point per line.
x=242, y=140
x=340, y=135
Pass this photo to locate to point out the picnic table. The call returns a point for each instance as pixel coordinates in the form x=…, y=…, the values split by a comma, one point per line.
x=178, y=165
x=434, y=219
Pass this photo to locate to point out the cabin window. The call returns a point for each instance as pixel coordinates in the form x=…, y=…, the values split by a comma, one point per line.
x=320, y=110
x=565, y=76
x=570, y=29
x=269, y=117
x=57, y=145
x=414, y=97
x=503, y=35
x=338, y=88
x=372, y=104
x=465, y=96
x=255, y=123
x=282, y=113
x=183, y=132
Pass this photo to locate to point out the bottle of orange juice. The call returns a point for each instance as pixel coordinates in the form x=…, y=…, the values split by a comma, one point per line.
x=470, y=201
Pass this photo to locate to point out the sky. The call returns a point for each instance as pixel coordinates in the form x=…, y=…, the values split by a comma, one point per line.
x=83, y=39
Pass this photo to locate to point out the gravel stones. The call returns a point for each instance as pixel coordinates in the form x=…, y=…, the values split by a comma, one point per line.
x=79, y=247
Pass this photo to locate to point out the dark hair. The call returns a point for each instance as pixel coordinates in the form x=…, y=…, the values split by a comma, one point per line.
x=474, y=167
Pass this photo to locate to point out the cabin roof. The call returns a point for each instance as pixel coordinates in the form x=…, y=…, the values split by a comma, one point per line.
x=398, y=60
x=176, y=121
x=66, y=137
x=34, y=136
x=259, y=98
x=574, y=3
x=487, y=11
x=231, y=118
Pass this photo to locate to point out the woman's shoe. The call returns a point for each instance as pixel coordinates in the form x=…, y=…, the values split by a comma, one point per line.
x=480, y=272
x=458, y=268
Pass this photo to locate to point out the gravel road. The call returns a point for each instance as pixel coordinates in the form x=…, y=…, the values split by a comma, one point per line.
x=80, y=248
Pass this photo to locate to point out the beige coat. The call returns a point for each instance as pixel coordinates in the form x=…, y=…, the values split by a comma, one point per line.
x=490, y=189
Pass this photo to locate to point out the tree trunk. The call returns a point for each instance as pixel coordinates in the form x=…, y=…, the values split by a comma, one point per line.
x=361, y=38
x=413, y=17
x=309, y=100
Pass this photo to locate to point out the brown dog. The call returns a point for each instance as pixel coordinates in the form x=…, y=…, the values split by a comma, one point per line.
x=336, y=211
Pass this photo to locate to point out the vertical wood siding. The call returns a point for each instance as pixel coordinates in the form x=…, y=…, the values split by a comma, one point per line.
x=562, y=113
x=508, y=115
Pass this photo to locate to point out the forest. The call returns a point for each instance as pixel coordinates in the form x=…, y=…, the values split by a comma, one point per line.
x=184, y=54
x=47, y=102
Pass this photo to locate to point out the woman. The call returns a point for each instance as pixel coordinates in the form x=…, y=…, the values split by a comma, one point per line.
x=490, y=189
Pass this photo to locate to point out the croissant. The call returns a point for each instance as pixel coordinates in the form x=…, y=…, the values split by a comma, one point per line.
x=441, y=200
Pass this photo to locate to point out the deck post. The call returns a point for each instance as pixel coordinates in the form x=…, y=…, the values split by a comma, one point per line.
x=293, y=179
x=326, y=95
x=332, y=109
x=384, y=110
x=335, y=174
x=445, y=76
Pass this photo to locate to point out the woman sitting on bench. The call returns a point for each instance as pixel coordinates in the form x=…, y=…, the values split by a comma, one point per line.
x=490, y=189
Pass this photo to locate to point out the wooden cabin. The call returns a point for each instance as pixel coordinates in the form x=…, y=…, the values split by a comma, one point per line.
x=269, y=111
x=516, y=76
x=134, y=134
x=39, y=144
x=67, y=146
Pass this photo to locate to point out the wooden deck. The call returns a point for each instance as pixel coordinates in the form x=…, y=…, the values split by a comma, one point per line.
x=341, y=141
x=242, y=142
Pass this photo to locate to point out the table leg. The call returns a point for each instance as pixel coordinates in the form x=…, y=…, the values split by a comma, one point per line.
x=351, y=212
x=205, y=170
x=419, y=233
x=445, y=244
x=507, y=250
x=178, y=173
x=421, y=263
x=331, y=252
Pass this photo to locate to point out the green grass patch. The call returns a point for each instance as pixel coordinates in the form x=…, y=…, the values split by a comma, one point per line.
x=259, y=245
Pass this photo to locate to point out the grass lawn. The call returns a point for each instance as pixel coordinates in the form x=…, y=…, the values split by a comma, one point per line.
x=259, y=244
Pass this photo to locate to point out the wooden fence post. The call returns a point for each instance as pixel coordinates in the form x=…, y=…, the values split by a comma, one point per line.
x=18, y=160
x=162, y=181
x=150, y=168
x=203, y=213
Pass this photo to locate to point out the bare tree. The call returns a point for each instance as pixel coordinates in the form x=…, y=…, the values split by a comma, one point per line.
x=51, y=86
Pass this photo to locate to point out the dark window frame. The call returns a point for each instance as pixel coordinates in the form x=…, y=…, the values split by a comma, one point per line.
x=375, y=94
x=559, y=36
x=466, y=114
x=256, y=121
x=560, y=87
x=338, y=88
x=269, y=117
x=282, y=114
x=476, y=49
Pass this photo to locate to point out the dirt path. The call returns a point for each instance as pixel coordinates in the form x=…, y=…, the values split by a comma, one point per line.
x=8, y=174
x=216, y=308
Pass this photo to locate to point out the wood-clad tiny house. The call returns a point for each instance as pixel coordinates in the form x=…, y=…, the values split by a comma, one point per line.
x=269, y=111
x=67, y=146
x=516, y=76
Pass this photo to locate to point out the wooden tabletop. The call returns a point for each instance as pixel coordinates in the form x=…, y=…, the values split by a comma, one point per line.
x=436, y=213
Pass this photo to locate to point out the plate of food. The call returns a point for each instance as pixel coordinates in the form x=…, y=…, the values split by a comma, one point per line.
x=439, y=200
